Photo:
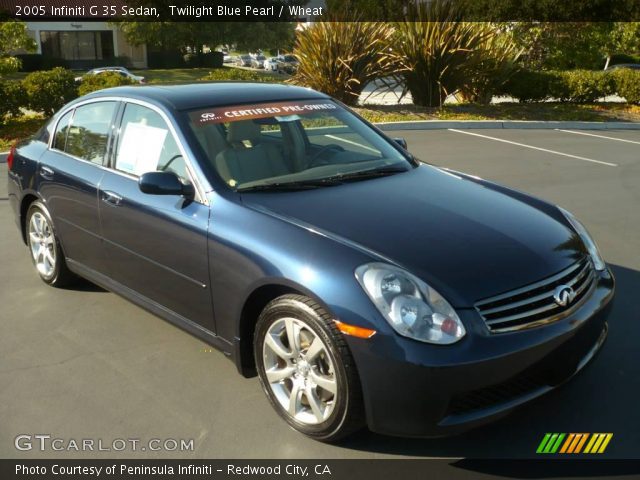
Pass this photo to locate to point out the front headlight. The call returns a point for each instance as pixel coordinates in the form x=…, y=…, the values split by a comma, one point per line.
x=411, y=307
x=590, y=245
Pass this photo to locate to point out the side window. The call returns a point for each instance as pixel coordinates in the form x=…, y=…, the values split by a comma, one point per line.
x=89, y=131
x=60, y=138
x=146, y=144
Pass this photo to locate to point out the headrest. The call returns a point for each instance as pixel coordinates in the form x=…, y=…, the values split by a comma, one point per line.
x=243, y=130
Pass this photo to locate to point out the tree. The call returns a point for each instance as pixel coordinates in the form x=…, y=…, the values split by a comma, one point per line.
x=193, y=36
x=567, y=45
x=622, y=37
x=13, y=38
x=372, y=10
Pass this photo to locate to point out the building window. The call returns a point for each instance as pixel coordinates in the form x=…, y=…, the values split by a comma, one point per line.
x=71, y=45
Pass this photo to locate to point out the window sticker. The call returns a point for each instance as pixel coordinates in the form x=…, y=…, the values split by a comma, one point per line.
x=140, y=148
x=262, y=110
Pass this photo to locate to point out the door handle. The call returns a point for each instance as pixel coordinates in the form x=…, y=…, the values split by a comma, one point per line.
x=46, y=172
x=111, y=198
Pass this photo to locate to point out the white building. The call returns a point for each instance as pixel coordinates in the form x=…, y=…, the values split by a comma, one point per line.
x=85, y=44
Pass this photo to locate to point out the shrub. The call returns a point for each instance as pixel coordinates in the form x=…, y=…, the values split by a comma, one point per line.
x=199, y=60
x=14, y=98
x=498, y=63
x=237, y=74
x=91, y=83
x=48, y=91
x=584, y=86
x=165, y=59
x=627, y=84
x=529, y=86
x=578, y=86
x=437, y=54
x=341, y=58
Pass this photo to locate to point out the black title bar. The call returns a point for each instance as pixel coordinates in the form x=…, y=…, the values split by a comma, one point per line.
x=367, y=469
x=328, y=10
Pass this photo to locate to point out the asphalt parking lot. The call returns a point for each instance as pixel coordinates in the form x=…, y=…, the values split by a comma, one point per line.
x=87, y=364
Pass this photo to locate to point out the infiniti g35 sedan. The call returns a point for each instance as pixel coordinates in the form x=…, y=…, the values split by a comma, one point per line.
x=362, y=286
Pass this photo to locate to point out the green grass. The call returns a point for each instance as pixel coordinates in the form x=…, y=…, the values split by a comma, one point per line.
x=600, y=112
x=188, y=75
x=173, y=75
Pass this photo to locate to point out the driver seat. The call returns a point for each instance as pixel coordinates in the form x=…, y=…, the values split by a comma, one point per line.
x=248, y=158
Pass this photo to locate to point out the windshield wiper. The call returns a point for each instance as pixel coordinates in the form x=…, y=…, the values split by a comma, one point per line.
x=291, y=186
x=323, y=182
x=364, y=174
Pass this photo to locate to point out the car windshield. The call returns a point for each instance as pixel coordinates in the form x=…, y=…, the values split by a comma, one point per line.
x=292, y=144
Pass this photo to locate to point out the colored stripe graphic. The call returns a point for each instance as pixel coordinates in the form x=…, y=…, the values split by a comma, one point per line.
x=573, y=443
x=550, y=443
x=581, y=443
x=543, y=443
x=598, y=442
x=567, y=443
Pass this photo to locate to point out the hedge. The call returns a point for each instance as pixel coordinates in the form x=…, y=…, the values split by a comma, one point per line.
x=627, y=83
x=238, y=74
x=49, y=90
x=91, y=83
x=578, y=86
x=14, y=97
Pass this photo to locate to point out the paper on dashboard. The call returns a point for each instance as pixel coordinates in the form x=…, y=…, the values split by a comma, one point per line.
x=140, y=148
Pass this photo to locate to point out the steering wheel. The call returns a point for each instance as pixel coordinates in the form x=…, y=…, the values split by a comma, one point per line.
x=317, y=159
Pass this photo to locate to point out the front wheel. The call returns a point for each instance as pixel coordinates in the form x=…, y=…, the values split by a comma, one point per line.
x=306, y=369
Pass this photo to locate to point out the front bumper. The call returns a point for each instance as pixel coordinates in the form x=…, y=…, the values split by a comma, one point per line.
x=416, y=389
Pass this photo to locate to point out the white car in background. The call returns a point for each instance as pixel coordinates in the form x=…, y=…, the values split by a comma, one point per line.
x=121, y=70
x=271, y=64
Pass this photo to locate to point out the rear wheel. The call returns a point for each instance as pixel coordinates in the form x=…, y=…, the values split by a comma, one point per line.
x=307, y=370
x=44, y=247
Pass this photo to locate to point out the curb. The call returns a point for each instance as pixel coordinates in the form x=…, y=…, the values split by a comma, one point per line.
x=505, y=124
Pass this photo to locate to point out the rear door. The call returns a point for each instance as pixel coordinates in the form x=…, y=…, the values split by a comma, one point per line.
x=68, y=177
x=156, y=244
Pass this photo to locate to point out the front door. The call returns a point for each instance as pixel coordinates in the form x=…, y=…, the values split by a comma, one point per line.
x=156, y=245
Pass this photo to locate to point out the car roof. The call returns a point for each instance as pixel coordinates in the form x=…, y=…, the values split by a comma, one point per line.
x=203, y=95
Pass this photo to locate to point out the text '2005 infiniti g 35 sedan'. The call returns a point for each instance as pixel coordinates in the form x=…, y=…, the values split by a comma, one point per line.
x=361, y=285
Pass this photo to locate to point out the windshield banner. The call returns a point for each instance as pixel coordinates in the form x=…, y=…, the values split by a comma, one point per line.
x=262, y=110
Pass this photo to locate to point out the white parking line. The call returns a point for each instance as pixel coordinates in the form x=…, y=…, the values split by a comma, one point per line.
x=598, y=136
x=584, y=159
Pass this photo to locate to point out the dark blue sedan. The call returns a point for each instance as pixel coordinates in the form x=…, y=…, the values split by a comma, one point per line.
x=361, y=285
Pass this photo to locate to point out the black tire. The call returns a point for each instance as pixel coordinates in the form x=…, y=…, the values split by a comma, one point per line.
x=60, y=276
x=347, y=415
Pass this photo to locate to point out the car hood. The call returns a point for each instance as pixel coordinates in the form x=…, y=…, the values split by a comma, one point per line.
x=468, y=239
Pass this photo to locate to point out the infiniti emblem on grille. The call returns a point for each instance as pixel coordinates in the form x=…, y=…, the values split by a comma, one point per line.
x=563, y=295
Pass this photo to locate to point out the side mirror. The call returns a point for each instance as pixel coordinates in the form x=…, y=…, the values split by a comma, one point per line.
x=401, y=141
x=164, y=183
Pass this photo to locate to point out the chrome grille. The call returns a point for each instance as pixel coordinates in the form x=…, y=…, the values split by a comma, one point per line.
x=534, y=304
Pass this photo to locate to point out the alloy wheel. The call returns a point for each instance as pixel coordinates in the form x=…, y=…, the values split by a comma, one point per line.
x=42, y=244
x=300, y=371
